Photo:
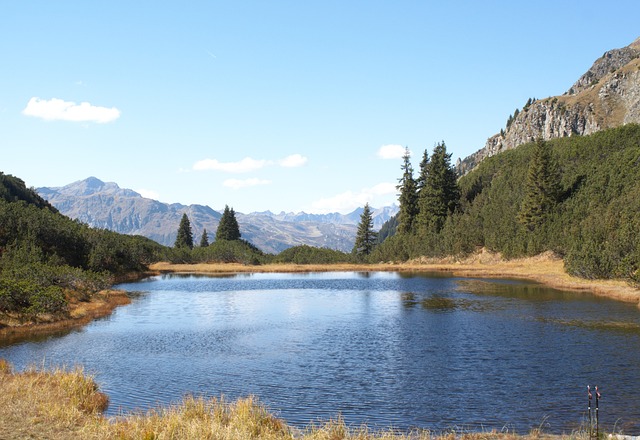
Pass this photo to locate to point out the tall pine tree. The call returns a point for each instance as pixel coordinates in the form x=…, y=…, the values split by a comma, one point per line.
x=204, y=240
x=185, y=235
x=408, y=197
x=542, y=188
x=439, y=195
x=424, y=172
x=228, y=228
x=366, y=237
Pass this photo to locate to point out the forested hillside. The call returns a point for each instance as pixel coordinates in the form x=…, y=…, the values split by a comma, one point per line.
x=593, y=221
x=47, y=258
x=13, y=189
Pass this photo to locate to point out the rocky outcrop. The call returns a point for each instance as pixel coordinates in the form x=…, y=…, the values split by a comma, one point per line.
x=606, y=96
x=609, y=62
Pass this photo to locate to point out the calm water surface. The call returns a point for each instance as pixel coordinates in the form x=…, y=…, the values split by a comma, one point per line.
x=386, y=349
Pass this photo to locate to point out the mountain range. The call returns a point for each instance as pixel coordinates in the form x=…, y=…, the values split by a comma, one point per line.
x=107, y=206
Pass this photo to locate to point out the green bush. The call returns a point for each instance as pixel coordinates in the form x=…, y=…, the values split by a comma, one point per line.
x=227, y=251
x=304, y=254
x=27, y=297
x=50, y=299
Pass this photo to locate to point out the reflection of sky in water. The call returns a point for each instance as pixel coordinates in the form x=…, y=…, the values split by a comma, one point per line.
x=383, y=348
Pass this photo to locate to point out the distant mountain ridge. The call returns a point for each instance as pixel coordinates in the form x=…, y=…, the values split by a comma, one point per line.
x=107, y=206
x=380, y=216
x=606, y=96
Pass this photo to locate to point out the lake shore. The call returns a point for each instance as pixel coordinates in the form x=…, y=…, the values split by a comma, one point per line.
x=64, y=404
x=13, y=328
x=545, y=268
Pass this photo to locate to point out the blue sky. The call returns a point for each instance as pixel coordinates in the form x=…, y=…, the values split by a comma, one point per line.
x=280, y=105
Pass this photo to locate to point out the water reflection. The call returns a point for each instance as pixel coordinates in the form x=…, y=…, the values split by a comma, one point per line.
x=196, y=276
x=383, y=348
x=524, y=290
x=601, y=325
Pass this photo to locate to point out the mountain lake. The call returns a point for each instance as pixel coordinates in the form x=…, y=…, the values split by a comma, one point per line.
x=401, y=350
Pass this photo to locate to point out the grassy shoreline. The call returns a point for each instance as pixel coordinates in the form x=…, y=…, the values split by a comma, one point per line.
x=14, y=328
x=64, y=404
x=544, y=268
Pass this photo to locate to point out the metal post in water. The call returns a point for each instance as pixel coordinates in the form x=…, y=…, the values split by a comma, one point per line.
x=597, y=398
x=589, y=409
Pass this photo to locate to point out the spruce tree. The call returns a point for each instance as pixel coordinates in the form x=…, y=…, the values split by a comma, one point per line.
x=439, y=195
x=542, y=187
x=185, y=236
x=424, y=172
x=366, y=237
x=408, y=197
x=204, y=240
x=228, y=228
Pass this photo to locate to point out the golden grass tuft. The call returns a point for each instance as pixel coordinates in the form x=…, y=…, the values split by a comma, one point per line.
x=200, y=418
x=39, y=404
x=5, y=367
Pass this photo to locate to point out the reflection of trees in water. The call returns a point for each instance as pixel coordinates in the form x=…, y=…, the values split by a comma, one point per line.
x=520, y=290
x=439, y=303
x=184, y=276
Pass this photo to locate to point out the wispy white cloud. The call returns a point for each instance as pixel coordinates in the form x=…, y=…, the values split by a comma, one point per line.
x=246, y=183
x=243, y=166
x=391, y=151
x=346, y=201
x=149, y=194
x=249, y=164
x=60, y=110
x=293, y=161
x=350, y=200
x=382, y=189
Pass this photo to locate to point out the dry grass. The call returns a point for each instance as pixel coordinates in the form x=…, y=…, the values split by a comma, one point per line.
x=51, y=405
x=545, y=268
x=65, y=404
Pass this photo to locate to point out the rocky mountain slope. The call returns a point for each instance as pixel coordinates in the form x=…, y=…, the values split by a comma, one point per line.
x=606, y=96
x=107, y=206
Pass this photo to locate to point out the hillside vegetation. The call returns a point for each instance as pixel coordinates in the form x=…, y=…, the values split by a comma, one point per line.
x=48, y=260
x=594, y=224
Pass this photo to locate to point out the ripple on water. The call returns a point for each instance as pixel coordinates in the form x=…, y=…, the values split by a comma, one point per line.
x=386, y=349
